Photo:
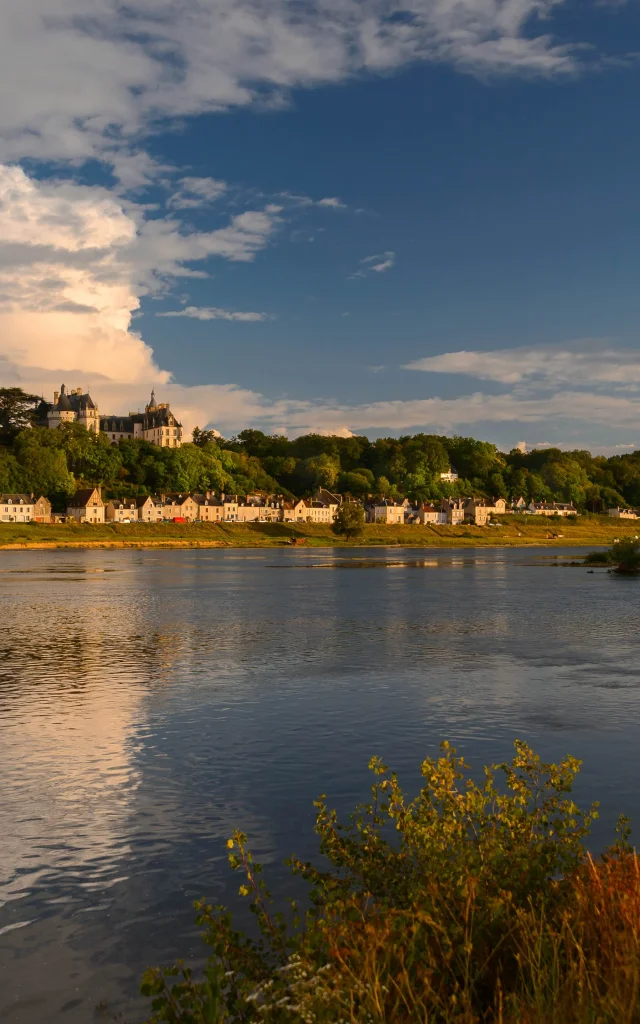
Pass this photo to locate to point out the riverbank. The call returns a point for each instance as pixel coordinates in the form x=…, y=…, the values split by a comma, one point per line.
x=511, y=531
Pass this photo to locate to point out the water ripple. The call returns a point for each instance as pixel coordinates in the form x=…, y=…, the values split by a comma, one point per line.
x=150, y=702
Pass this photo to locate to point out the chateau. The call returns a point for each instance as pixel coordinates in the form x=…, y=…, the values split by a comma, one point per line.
x=156, y=424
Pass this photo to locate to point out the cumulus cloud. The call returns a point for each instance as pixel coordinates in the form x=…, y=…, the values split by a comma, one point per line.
x=74, y=263
x=81, y=79
x=376, y=264
x=583, y=362
x=214, y=313
x=195, y=192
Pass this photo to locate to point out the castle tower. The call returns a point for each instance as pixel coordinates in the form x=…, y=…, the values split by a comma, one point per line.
x=73, y=407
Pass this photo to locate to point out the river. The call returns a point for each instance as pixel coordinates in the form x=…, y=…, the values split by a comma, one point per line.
x=151, y=702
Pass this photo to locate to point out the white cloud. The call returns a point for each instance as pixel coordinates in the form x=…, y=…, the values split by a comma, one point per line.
x=446, y=414
x=332, y=202
x=329, y=202
x=376, y=264
x=214, y=313
x=583, y=362
x=74, y=262
x=88, y=78
x=196, y=192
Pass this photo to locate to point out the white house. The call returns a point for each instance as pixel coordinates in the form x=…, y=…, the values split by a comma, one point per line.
x=121, y=511
x=388, y=512
x=23, y=508
x=622, y=513
x=552, y=508
x=453, y=511
x=87, y=506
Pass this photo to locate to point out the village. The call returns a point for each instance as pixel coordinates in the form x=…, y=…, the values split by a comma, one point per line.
x=88, y=506
x=159, y=426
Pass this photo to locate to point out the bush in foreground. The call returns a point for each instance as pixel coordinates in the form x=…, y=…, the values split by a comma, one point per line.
x=624, y=556
x=471, y=903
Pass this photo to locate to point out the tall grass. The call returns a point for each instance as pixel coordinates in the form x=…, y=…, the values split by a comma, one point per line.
x=471, y=903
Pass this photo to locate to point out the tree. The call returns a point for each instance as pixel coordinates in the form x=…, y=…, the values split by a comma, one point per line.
x=16, y=411
x=359, y=482
x=349, y=521
x=43, y=465
x=203, y=437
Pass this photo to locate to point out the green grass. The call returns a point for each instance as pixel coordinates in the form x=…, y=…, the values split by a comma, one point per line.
x=517, y=531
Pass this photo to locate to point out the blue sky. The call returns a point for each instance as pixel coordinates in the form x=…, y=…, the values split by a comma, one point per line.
x=372, y=216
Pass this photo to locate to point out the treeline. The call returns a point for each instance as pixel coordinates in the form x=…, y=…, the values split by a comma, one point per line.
x=56, y=462
x=410, y=467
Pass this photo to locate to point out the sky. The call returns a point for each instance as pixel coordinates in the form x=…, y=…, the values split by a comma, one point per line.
x=367, y=216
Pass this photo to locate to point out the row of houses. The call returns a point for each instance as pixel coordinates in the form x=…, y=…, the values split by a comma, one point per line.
x=88, y=506
x=454, y=511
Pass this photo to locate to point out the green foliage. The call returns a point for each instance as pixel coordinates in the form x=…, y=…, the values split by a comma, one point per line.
x=411, y=466
x=57, y=462
x=624, y=556
x=349, y=521
x=475, y=901
x=16, y=411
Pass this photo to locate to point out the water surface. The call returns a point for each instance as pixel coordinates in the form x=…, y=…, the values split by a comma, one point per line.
x=151, y=701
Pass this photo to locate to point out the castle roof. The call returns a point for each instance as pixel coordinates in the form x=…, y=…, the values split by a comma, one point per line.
x=74, y=402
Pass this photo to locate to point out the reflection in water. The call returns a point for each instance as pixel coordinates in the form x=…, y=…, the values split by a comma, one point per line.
x=152, y=701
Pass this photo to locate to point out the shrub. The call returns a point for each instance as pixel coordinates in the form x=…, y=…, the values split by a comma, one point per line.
x=473, y=902
x=624, y=555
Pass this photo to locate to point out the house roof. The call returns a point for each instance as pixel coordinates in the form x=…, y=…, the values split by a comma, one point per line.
x=16, y=499
x=327, y=497
x=201, y=499
x=83, y=497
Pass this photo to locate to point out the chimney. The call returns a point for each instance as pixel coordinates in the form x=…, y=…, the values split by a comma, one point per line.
x=208, y=494
x=56, y=396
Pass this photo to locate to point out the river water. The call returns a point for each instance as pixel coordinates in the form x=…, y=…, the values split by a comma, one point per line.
x=151, y=702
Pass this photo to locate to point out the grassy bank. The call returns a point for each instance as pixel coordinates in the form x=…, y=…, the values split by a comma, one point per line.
x=517, y=531
x=472, y=903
